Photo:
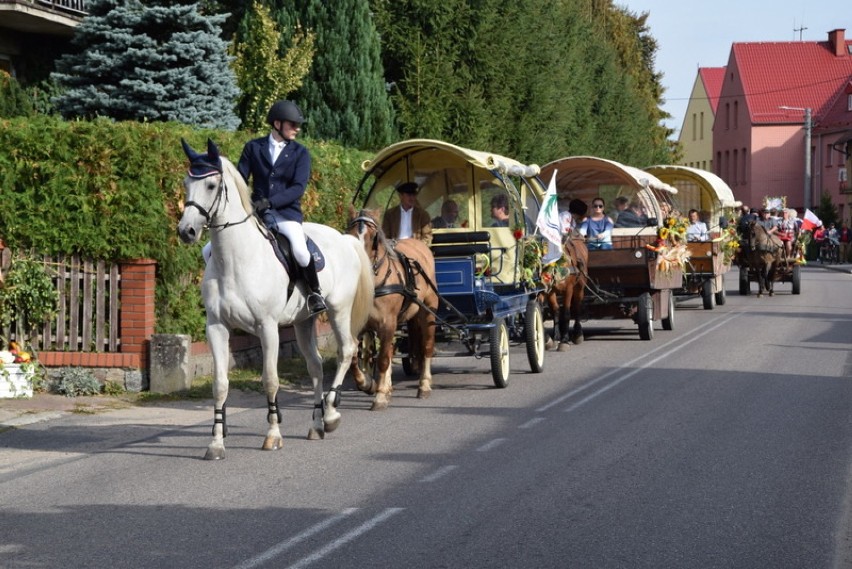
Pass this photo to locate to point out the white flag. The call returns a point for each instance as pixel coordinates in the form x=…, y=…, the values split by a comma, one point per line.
x=549, y=225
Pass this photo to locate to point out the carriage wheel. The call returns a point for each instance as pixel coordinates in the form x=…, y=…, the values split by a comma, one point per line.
x=645, y=316
x=499, y=347
x=797, y=279
x=744, y=284
x=669, y=321
x=535, y=338
x=367, y=353
x=707, y=294
x=721, y=298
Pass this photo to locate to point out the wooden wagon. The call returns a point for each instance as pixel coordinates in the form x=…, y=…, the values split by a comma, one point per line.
x=631, y=280
x=711, y=259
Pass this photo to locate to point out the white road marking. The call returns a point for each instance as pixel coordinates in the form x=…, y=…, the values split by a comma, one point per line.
x=491, y=445
x=440, y=473
x=346, y=538
x=285, y=545
x=531, y=423
x=613, y=371
x=651, y=362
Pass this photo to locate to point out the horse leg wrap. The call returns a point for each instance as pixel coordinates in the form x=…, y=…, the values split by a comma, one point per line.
x=336, y=401
x=219, y=419
x=273, y=409
x=319, y=406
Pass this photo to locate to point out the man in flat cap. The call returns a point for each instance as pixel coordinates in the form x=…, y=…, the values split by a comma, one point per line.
x=408, y=220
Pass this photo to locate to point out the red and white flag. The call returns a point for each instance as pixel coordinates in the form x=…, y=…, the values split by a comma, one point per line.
x=810, y=221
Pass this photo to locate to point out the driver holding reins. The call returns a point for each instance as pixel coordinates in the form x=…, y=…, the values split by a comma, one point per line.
x=280, y=168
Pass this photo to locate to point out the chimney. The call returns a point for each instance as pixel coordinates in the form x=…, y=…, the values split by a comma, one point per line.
x=838, y=41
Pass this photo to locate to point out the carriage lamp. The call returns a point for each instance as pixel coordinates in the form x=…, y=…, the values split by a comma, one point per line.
x=638, y=253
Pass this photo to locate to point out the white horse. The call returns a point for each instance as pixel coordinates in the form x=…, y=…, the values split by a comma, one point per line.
x=246, y=287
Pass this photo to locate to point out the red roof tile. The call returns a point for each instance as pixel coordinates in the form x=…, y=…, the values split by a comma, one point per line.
x=794, y=74
x=712, y=78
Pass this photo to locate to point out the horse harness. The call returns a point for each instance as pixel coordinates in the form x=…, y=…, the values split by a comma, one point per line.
x=407, y=272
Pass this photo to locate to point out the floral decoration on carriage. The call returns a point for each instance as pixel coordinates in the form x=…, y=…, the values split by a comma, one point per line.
x=670, y=244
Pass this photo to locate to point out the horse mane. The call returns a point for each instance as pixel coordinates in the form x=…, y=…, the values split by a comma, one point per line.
x=242, y=188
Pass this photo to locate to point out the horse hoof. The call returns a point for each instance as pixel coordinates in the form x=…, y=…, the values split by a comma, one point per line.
x=549, y=344
x=215, y=453
x=577, y=340
x=315, y=435
x=379, y=406
x=332, y=424
x=563, y=347
x=424, y=393
x=272, y=443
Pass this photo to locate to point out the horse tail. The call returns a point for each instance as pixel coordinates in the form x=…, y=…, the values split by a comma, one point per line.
x=365, y=293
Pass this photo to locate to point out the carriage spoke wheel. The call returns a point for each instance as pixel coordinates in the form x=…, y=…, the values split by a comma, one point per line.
x=499, y=347
x=645, y=316
x=367, y=353
x=797, y=279
x=745, y=285
x=534, y=335
x=707, y=294
x=669, y=321
x=720, y=296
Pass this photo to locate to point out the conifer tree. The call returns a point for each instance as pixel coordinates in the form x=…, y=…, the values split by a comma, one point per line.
x=263, y=74
x=344, y=97
x=157, y=61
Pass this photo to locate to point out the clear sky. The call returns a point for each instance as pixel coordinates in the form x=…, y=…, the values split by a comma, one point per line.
x=692, y=34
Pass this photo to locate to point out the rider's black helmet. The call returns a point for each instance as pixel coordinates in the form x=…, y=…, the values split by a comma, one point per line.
x=284, y=111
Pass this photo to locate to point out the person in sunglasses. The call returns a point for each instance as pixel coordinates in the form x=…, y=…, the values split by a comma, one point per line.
x=597, y=228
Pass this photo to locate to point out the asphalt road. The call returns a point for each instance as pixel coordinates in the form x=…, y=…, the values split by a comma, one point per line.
x=726, y=442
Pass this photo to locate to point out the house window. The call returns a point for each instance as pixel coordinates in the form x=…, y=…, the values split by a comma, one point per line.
x=736, y=114
x=702, y=125
x=694, y=120
x=849, y=102
x=727, y=116
x=735, y=166
x=743, y=160
x=719, y=164
x=829, y=156
x=727, y=176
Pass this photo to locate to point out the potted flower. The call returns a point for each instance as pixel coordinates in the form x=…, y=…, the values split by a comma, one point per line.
x=28, y=299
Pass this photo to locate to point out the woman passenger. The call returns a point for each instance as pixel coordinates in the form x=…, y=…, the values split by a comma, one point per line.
x=597, y=228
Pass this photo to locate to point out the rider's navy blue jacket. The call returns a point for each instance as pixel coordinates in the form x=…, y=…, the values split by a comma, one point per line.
x=282, y=183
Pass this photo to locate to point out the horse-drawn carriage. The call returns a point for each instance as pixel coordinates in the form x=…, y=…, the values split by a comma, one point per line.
x=486, y=301
x=636, y=277
x=709, y=259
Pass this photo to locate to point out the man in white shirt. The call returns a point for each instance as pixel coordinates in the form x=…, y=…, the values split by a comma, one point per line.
x=408, y=220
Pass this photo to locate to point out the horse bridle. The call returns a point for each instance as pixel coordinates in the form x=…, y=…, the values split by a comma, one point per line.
x=220, y=191
x=361, y=220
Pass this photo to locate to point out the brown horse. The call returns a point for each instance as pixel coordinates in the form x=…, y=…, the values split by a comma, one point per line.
x=762, y=253
x=565, y=293
x=404, y=275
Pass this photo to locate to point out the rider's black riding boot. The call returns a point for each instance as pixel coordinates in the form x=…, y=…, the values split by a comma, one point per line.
x=316, y=304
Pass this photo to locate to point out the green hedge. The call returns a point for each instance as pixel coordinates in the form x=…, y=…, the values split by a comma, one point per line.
x=112, y=190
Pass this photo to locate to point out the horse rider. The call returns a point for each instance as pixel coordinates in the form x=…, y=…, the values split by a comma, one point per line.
x=279, y=168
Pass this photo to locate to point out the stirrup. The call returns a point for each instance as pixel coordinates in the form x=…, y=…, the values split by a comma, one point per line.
x=316, y=304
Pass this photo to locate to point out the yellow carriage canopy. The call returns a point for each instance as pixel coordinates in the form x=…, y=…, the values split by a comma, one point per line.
x=700, y=190
x=589, y=177
x=472, y=179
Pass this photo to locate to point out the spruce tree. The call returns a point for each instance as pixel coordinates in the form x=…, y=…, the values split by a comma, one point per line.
x=344, y=97
x=157, y=61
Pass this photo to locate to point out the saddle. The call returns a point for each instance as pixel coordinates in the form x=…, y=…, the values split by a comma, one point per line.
x=284, y=252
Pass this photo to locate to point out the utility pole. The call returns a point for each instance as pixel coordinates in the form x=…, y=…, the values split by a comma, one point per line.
x=806, y=197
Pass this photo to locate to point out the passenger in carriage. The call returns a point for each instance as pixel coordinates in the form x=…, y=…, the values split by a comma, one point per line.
x=633, y=216
x=449, y=216
x=597, y=228
x=619, y=204
x=571, y=218
x=767, y=222
x=500, y=210
x=787, y=231
x=408, y=219
x=697, y=229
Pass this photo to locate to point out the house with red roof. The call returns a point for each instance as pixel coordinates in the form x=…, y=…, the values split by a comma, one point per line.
x=696, y=133
x=768, y=92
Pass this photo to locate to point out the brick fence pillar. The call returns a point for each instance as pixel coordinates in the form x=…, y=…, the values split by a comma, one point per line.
x=137, y=308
